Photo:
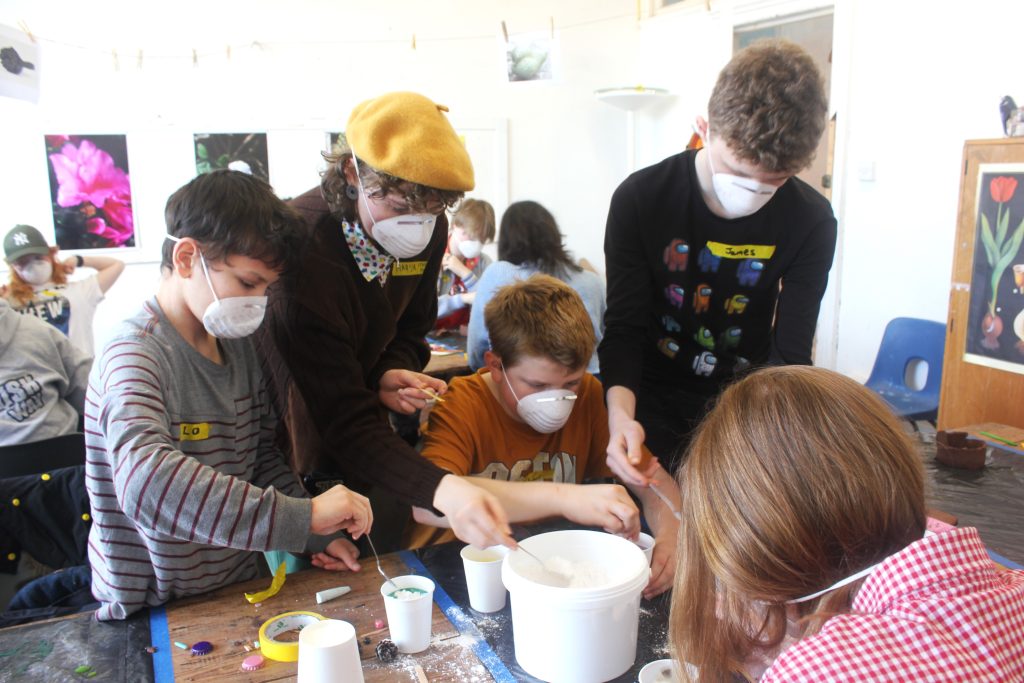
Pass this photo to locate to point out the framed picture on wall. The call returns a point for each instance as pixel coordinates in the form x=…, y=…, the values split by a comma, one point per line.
x=90, y=191
x=245, y=152
x=995, y=324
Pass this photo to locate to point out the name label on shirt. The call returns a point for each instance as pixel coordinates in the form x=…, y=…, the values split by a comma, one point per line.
x=195, y=432
x=763, y=251
x=402, y=268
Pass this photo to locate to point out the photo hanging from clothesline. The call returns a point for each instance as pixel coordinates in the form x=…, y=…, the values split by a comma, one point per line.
x=19, y=65
x=90, y=191
x=245, y=152
x=530, y=57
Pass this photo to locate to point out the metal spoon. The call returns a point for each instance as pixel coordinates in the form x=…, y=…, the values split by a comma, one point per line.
x=379, y=568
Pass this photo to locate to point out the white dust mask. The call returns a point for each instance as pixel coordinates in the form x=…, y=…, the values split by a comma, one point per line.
x=545, y=411
x=838, y=584
x=36, y=272
x=738, y=196
x=233, y=317
x=470, y=248
x=401, y=236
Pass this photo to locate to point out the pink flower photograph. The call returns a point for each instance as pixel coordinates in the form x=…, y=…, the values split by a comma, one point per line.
x=90, y=192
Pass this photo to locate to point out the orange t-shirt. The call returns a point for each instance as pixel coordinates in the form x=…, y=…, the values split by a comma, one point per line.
x=470, y=433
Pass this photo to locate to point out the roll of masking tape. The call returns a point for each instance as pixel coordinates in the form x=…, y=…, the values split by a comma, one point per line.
x=284, y=651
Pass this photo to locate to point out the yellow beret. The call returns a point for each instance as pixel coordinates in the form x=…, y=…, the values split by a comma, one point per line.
x=408, y=136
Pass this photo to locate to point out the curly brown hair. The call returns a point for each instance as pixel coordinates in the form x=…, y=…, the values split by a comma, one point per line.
x=769, y=105
x=378, y=184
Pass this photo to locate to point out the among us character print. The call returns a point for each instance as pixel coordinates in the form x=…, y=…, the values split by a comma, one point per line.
x=749, y=272
x=705, y=338
x=52, y=306
x=701, y=298
x=708, y=262
x=670, y=324
x=668, y=346
x=677, y=255
x=736, y=304
x=704, y=364
x=730, y=338
x=675, y=295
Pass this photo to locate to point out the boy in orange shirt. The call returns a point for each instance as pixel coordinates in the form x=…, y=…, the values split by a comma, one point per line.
x=531, y=425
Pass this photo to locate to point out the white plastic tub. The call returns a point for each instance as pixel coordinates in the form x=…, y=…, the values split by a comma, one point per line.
x=576, y=635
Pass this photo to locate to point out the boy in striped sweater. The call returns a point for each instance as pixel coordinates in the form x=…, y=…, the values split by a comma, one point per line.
x=185, y=483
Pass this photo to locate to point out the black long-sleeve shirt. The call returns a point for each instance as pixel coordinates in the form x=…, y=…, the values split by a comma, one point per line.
x=328, y=337
x=693, y=297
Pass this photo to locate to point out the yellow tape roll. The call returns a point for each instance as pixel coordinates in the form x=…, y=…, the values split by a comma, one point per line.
x=289, y=621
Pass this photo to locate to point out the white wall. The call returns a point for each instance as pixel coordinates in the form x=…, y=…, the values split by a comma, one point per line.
x=318, y=59
x=911, y=82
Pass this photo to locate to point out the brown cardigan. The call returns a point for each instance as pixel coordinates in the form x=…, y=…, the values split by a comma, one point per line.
x=328, y=337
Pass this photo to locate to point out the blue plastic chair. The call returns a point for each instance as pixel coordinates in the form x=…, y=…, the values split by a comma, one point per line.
x=907, y=340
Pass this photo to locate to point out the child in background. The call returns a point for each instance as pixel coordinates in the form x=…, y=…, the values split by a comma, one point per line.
x=532, y=424
x=530, y=242
x=463, y=263
x=39, y=285
x=42, y=380
x=184, y=479
x=812, y=520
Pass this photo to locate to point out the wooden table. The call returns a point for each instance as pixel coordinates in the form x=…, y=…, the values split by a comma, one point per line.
x=446, y=366
x=229, y=622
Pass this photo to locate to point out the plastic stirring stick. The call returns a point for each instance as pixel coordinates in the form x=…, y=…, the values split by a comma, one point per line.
x=667, y=502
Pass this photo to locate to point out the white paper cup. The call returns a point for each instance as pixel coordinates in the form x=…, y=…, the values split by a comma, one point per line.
x=409, y=619
x=483, y=577
x=328, y=652
x=646, y=543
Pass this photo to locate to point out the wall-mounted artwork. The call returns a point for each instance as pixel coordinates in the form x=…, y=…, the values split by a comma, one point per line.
x=530, y=57
x=995, y=326
x=335, y=142
x=245, y=152
x=90, y=192
x=19, y=65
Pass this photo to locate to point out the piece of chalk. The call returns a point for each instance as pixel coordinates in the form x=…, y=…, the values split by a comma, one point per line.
x=378, y=624
x=183, y=646
x=331, y=593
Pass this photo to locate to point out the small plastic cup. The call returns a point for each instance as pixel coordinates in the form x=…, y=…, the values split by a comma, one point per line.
x=646, y=543
x=483, y=577
x=328, y=652
x=410, y=612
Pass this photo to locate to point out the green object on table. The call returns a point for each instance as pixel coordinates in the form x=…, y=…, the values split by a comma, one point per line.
x=1001, y=439
x=292, y=563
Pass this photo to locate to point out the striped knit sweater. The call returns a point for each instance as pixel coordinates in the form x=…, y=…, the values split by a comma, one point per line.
x=184, y=480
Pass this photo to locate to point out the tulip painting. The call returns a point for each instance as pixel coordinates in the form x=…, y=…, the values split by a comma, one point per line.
x=997, y=297
x=90, y=191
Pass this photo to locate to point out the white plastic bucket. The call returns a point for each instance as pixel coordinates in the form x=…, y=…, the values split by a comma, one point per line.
x=576, y=635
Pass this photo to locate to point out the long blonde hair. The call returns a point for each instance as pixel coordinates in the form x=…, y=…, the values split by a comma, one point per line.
x=20, y=292
x=798, y=478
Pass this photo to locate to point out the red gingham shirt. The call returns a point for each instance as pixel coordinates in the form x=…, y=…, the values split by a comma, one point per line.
x=938, y=610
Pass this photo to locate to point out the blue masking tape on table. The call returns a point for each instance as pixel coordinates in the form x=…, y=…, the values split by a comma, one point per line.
x=462, y=622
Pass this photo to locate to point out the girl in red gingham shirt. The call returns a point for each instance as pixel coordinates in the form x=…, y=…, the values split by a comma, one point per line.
x=803, y=549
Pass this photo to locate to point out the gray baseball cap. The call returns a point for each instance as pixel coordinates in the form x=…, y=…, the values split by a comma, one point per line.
x=23, y=240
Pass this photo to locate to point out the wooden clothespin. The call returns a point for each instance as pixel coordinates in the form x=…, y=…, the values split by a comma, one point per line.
x=504, y=30
x=227, y=52
x=27, y=31
x=414, y=41
x=117, y=62
x=551, y=22
x=138, y=59
x=195, y=57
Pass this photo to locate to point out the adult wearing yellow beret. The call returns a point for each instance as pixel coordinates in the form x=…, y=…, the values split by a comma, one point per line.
x=344, y=336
